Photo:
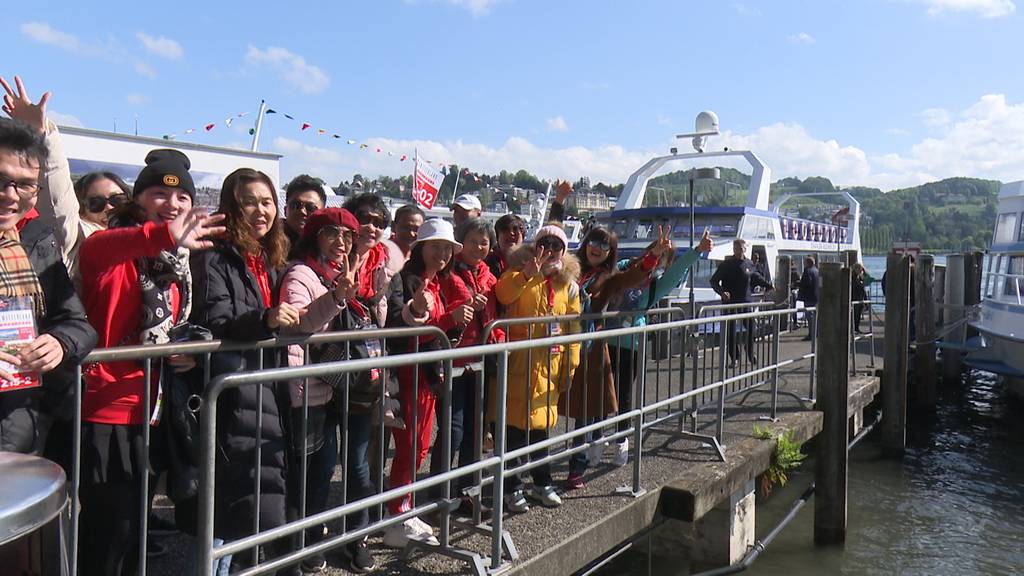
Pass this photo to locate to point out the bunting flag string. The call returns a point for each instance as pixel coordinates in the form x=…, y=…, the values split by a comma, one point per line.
x=208, y=126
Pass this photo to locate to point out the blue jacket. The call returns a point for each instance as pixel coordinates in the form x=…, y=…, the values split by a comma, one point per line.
x=647, y=296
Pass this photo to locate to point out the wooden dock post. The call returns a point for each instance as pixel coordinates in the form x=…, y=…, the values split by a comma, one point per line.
x=924, y=356
x=952, y=360
x=833, y=368
x=897, y=336
x=972, y=287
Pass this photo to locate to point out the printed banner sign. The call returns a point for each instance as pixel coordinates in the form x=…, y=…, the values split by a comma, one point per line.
x=427, y=184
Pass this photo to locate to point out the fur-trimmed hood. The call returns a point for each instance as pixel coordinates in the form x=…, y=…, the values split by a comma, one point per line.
x=569, y=273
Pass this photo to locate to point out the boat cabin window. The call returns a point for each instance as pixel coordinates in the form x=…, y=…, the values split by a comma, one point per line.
x=1006, y=227
x=1014, y=283
x=1020, y=235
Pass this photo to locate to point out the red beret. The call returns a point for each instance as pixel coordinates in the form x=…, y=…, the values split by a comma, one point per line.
x=329, y=217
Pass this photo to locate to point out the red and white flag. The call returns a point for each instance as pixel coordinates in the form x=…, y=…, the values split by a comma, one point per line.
x=427, y=184
x=842, y=215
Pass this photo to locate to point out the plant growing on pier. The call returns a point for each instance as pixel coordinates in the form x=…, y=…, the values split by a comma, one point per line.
x=786, y=456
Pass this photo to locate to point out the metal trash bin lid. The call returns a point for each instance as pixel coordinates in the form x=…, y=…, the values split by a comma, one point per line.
x=32, y=492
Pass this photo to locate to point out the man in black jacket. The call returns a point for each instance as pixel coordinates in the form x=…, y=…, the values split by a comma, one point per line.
x=733, y=281
x=808, y=293
x=31, y=270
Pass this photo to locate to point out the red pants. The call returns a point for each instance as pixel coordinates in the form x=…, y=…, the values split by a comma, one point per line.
x=402, y=471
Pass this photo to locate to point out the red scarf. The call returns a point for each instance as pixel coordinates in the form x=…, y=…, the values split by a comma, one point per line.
x=375, y=260
x=256, y=265
x=328, y=274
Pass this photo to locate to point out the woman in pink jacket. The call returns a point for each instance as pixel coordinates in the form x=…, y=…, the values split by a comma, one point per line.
x=323, y=282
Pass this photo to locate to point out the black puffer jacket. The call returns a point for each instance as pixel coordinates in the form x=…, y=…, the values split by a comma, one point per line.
x=65, y=320
x=228, y=303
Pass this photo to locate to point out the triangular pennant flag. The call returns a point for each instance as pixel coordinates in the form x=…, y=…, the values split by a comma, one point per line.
x=335, y=136
x=168, y=136
x=270, y=111
x=228, y=122
x=402, y=159
x=304, y=125
x=391, y=153
x=350, y=141
x=289, y=117
x=378, y=149
x=190, y=130
x=362, y=146
x=252, y=131
x=210, y=127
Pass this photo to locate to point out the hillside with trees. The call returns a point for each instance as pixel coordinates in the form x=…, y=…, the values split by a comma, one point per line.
x=954, y=214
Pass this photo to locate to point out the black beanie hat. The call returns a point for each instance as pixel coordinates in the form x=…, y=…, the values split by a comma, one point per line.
x=165, y=167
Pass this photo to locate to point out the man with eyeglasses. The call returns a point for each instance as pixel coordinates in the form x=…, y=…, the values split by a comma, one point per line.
x=303, y=196
x=33, y=279
x=510, y=230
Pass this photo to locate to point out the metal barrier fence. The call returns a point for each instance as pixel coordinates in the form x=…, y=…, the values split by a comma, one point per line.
x=147, y=354
x=510, y=458
x=659, y=396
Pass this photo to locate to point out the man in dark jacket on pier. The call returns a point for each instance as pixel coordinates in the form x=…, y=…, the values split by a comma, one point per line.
x=808, y=293
x=733, y=281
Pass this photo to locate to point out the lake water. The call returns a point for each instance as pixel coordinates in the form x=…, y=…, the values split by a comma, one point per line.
x=953, y=506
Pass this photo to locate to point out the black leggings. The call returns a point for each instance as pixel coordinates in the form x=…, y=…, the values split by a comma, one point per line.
x=624, y=367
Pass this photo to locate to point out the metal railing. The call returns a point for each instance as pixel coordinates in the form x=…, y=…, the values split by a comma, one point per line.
x=667, y=387
x=505, y=463
x=999, y=285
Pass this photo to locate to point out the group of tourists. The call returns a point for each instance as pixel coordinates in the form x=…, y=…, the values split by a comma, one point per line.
x=103, y=264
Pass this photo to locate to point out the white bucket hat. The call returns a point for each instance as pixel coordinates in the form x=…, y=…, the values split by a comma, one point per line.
x=438, y=229
x=468, y=201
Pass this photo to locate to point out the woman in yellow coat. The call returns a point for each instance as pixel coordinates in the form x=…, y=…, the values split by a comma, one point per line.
x=540, y=281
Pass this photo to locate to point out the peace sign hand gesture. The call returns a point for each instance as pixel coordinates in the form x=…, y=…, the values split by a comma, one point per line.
x=346, y=281
x=537, y=263
x=193, y=228
x=664, y=242
x=20, y=107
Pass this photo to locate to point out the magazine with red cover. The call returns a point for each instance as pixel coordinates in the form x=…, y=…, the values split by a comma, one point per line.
x=17, y=328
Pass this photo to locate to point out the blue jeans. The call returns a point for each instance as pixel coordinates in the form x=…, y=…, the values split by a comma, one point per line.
x=356, y=457
x=463, y=423
x=319, y=468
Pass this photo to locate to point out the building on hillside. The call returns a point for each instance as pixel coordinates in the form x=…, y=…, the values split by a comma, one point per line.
x=585, y=203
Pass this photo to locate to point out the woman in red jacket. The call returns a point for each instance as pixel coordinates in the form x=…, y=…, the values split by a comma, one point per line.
x=438, y=299
x=136, y=288
x=471, y=269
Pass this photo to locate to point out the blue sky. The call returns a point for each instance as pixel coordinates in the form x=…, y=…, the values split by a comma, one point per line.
x=882, y=92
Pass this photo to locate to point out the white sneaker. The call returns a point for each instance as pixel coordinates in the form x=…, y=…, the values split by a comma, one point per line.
x=515, y=503
x=595, y=453
x=546, y=495
x=398, y=535
x=424, y=528
x=622, y=453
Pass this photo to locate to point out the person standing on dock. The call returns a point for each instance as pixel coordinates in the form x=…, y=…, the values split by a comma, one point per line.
x=733, y=281
x=808, y=293
x=303, y=196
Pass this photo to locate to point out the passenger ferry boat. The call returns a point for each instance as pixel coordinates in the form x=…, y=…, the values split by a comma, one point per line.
x=1000, y=320
x=764, y=226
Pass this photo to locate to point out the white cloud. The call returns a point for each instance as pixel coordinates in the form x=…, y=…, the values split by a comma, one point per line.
x=801, y=38
x=162, y=46
x=935, y=117
x=746, y=10
x=475, y=7
x=136, y=99
x=64, y=119
x=664, y=120
x=291, y=67
x=144, y=69
x=897, y=132
x=43, y=33
x=986, y=140
x=983, y=8
x=556, y=124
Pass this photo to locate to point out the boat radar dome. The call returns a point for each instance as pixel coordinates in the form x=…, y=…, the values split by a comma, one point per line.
x=705, y=125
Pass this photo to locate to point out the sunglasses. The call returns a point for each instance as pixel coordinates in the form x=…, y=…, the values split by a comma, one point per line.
x=600, y=245
x=550, y=243
x=365, y=218
x=333, y=232
x=307, y=207
x=97, y=204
